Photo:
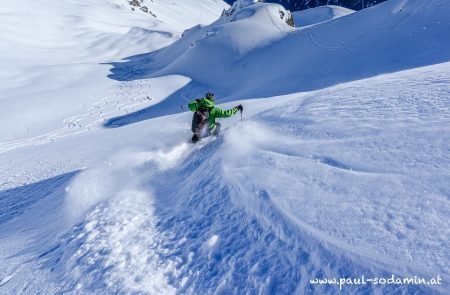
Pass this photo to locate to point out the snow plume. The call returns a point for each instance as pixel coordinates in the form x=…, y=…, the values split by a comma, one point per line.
x=100, y=183
x=117, y=246
x=119, y=174
x=246, y=147
x=244, y=139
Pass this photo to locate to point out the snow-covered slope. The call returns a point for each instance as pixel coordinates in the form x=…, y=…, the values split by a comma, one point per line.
x=338, y=182
x=319, y=14
x=335, y=183
x=259, y=54
x=50, y=54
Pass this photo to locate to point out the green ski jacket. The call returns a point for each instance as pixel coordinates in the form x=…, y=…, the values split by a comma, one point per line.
x=214, y=112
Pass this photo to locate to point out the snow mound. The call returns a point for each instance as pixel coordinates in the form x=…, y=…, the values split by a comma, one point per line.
x=319, y=14
x=242, y=29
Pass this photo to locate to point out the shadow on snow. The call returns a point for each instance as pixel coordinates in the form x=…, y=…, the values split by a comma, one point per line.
x=16, y=201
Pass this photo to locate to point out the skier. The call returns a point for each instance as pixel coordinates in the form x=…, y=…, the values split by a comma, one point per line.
x=205, y=113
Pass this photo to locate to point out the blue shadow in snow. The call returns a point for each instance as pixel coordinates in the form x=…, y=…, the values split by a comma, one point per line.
x=132, y=68
x=173, y=104
x=140, y=67
x=18, y=200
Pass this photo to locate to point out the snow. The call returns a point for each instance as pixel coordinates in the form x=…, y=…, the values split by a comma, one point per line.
x=75, y=43
x=319, y=14
x=243, y=63
x=339, y=167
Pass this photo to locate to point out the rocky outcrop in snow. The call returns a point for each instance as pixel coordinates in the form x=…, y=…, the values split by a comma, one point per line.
x=239, y=10
x=139, y=4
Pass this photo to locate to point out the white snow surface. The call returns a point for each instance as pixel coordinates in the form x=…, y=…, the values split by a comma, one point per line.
x=319, y=14
x=54, y=60
x=339, y=167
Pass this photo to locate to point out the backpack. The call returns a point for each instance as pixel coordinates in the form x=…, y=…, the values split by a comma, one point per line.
x=200, y=119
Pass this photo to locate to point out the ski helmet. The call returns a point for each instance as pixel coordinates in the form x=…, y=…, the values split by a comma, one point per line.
x=209, y=95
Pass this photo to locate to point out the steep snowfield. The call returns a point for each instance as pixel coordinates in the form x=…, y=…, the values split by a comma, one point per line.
x=319, y=14
x=336, y=182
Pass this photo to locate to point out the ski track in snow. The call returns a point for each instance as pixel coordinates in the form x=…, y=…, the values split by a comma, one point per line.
x=314, y=36
x=121, y=99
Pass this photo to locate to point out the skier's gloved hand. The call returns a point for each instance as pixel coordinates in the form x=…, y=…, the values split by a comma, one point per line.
x=240, y=107
x=197, y=100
